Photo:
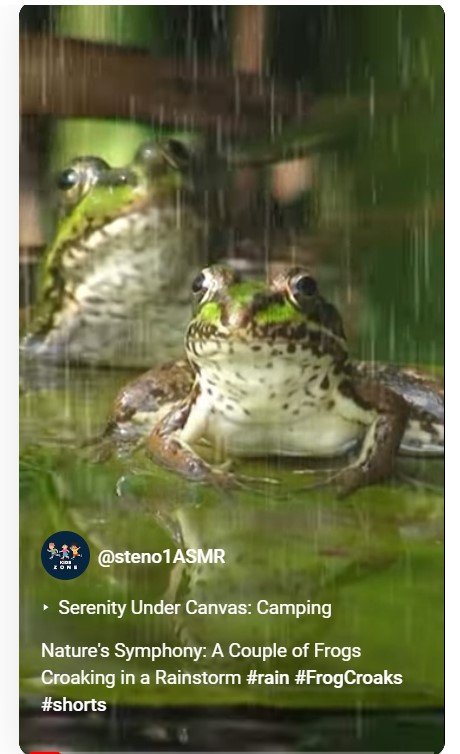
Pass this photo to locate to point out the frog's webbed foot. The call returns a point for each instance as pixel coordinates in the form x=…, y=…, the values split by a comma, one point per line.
x=244, y=483
x=330, y=480
x=351, y=478
x=345, y=481
x=110, y=444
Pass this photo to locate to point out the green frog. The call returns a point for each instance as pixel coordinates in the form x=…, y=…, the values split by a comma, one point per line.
x=268, y=373
x=114, y=282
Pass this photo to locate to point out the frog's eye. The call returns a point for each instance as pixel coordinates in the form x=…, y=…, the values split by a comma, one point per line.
x=199, y=283
x=303, y=286
x=158, y=156
x=213, y=282
x=68, y=179
x=205, y=285
x=177, y=153
x=297, y=284
x=78, y=177
x=202, y=289
x=71, y=185
x=147, y=153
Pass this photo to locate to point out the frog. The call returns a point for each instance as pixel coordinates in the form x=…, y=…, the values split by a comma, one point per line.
x=268, y=373
x=113, y=284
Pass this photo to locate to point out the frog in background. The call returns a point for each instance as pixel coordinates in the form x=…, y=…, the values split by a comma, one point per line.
x=114, y=282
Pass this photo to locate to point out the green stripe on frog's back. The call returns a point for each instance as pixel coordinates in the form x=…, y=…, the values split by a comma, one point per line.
x=95, y=210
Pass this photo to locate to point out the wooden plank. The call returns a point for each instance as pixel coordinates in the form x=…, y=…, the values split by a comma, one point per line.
x=73, y=78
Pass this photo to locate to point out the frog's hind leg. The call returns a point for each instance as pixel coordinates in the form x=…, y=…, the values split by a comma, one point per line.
x=419, y=390
x=138, y=406
x=140, y=401
x=424, y=436
x=424, y=394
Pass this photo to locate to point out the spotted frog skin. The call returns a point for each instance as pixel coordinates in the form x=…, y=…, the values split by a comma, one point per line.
x=268, y=373
x=114, y=284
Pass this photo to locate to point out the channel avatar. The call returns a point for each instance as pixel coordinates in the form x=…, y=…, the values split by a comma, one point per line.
x=65, y=555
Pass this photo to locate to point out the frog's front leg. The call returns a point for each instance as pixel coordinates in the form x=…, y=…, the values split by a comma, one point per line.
x=386, y=418
x=169, y=443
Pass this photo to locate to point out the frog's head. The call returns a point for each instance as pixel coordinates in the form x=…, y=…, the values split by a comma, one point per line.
x=237, y=322
x=92, y=194
x=110, y=220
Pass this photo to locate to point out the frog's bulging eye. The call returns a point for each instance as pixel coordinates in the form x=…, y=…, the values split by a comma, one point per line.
x=76, y=179
x=212, y=282
x=198, y=285
x=178, y=152
x=68, y=179
x=147, y=153
x=304, y=285
x=158, y=156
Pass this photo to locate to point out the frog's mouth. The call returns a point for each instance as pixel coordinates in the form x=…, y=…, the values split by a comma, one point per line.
x=301, y=342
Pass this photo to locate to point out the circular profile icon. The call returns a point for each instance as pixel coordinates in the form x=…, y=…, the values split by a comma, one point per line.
x=65, y=555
